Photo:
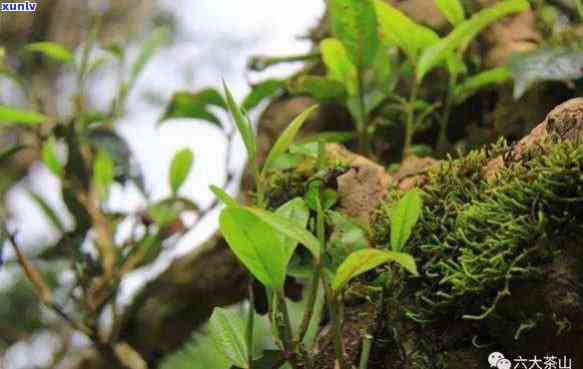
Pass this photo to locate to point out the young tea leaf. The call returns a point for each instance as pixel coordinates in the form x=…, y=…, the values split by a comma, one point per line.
x=12, y=115
x=329, y=136
x=347, y=236
x=227, y=330
x=362, y=261
x=261, y=91
x=195, y=106
x=320, y=88
x=256, y=244
x=464, y=33
x=404, y=216
x=287, y=137
x=50, y=158
x=243, y=124
x=48, y=211
x=103, y=172
x=338, y=64
x=290, y=229
x=180, y=168
x=549, y=63
x=52, y=50
x=354, y=22
x=297, y=211
x=452, y=10
x=398, y=29
x=474, y=84
x=223, y=196
x=158, y=38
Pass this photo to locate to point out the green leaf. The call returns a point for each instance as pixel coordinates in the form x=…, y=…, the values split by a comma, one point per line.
x=115, y=49
x=223, y=196
x=550, y=63
x=579, y=6
x=305, y=149
x=158, y=38
x=453, y=10
x=398, y=29
x=256, y=244
x=270, y=359
x=287, y=137
x=290, y=229
x=194, y=105
x=473, y=84
x=8, y=153
x=338, y=64
x=404, y=216
x=102, y=138
x=329, y=136
x=464, y=33
x=103, y=172
x=455, y=65
x=347, y=236
x=180, y=168
x=297, y=211
x=12, y=115
x=163, y=213
x=320, y=88
x=52, y=50
x=227, y=330
x=354, y=23
x=263, y=90
x=48, y=211
x=50, y=158
x=362, y=261
x=243, y=125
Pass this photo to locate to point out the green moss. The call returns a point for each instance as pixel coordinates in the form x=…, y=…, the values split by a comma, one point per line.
x=476, y=236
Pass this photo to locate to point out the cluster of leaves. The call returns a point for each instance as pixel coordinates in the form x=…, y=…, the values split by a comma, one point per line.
x=87, y=157
x=265, y=242
x=377, y=56
x=364, y=67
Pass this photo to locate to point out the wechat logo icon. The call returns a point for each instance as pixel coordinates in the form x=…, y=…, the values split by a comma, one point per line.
x=498, y=361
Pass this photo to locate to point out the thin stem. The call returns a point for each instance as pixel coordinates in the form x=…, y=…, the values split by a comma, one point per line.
x=444, y=121
x=287, y=330
x=260, y=63
x=410, y=122
x=84, y=63
x=250, y=324
x=365, y=353
x=336, y=326
x=362, y=126
x=321, y=233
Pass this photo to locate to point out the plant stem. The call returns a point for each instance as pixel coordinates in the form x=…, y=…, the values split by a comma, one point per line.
x=364, y=355
x=410, y=122
x=290, y=350
x=250, y=324
x=336, y=325
x=444, y=121
x=260, y=63
x=321, y=234
x=362, y=126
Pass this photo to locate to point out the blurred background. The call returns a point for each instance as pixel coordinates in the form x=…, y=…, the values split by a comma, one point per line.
x=209, y=40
